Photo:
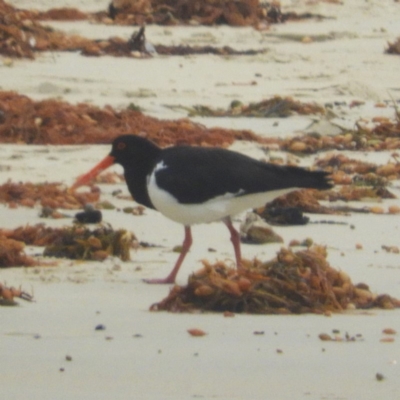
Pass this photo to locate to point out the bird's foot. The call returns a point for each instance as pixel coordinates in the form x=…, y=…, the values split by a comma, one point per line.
x=167, y=280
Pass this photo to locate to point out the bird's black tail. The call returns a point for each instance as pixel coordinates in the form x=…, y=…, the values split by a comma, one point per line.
x=310, y=179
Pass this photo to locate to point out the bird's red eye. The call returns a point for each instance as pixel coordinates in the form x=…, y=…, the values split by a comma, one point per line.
x=121, y=146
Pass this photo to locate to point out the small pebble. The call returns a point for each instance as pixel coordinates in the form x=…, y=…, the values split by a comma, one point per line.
x=389, y=331
x=379, y=376
x=196, y=332
x=324, y=337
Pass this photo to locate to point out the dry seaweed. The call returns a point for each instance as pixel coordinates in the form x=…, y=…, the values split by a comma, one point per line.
x=21, y=36
x=75, y=242
x=7, y=295
x=195, y=12
x=58, y=122
x=138, y=43
x=305, y=200
x=275, y=107
x=284, y=216
x=355, y=193
x=293, y=282
x=12, y=253
x=171, y=12
x=384, y=135
x=192, y=50
x=52, y=195
x=393, y=48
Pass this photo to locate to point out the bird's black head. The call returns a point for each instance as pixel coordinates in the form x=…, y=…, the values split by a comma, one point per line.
x=130, y=150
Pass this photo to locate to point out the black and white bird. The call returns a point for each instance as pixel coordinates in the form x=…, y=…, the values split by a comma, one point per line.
x=192, y=185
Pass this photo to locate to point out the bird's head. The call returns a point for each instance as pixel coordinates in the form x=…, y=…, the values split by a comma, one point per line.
x=127, y=150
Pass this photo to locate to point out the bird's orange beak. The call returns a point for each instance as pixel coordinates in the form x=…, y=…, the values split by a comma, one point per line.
x=86, y=178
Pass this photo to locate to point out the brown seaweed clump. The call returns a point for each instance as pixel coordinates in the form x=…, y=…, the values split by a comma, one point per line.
x=305, y=200
x=394, y=48
x=53, y=195
x=384, y=135
x=75, y=242
x=57, y=122
x=7, y=295
x=12, y=253
x=21, y=36
x=345, y=171
x=291, y=283
x=196, y=12
x=172, y=12
x=275, y=107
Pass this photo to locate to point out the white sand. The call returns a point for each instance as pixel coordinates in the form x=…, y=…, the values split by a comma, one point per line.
x=230, y=362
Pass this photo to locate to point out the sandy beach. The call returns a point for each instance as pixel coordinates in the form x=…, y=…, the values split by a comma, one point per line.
x=150, y=355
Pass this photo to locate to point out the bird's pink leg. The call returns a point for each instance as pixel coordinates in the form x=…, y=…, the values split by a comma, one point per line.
x=187, y=242
x=235, y=239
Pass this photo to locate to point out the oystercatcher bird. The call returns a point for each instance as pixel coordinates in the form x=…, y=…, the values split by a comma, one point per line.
x=193, y=185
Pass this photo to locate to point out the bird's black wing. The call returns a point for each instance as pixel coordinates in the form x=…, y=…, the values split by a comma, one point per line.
x=194, y=175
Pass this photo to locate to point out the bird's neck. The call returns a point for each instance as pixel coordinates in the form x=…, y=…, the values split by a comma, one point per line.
x=137, y=185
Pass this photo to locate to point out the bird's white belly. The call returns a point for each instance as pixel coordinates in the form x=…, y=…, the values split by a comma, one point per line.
x=212, y=210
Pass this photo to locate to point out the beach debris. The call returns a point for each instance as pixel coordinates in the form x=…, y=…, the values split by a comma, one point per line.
x=345, y=170
x=188, y=12
x=325, y=337
x=255, y=230
x=21, y=35
x=205, y=12
x=391, y=249
x=64, y=123
x=75, y=242
x=52, y=195
x=305, y=200
x=380, y=133
x=198, y=12
x=89, y=216
x=387, y=339
x=196, y=332
x=136, y=210
x=80, y=243
x=48, y=212
x=393, y=48
x=389, y=331
x=275, y=107
x=293, y=282
x=138, y=44
x=12, y=253
x=7, y=295
x=284, y=216
x=379, y=377
x=308, y=242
